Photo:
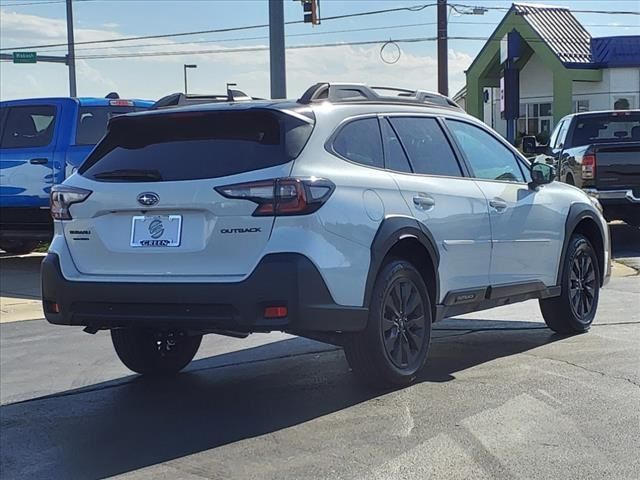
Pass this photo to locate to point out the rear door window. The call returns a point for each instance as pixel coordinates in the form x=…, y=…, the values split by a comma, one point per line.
x=195, y=145
x=427, y=146
x=92, y=122
x=29, y=126
x=360, y=142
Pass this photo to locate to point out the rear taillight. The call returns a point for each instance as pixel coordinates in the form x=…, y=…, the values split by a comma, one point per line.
x=589, y=166
x=282, y=196
x=62, y=197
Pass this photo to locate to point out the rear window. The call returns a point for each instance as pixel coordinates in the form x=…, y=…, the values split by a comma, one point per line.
x=92, y=122
x=196, y=145
x=607, y=128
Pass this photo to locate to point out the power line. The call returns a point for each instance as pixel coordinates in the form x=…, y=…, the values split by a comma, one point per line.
x=30, y=3
x=415, y=8
x=572, y=10
x=295, y=47
x=262, y=37
x=44, y=2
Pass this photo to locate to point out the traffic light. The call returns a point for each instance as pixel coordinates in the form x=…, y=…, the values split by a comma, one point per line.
x=311, y=9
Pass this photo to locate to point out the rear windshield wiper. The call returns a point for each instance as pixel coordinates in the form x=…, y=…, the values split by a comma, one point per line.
x=129, y=174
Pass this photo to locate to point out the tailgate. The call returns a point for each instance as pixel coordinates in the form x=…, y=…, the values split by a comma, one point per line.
x=154, y=208
x=618, y=166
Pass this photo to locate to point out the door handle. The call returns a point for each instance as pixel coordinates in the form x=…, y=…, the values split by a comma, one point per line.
x=498, y=204
x=39, y=161
x=423, y=201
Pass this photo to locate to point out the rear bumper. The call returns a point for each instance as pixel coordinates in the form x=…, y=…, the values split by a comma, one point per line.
x=289, y=280
x=621, y=204
x=625, y=195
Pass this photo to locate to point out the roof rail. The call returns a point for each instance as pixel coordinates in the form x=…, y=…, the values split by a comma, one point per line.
x=361, y=93
x=180, y=99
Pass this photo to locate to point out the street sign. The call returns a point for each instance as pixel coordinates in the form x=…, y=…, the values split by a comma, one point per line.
x=24, y=57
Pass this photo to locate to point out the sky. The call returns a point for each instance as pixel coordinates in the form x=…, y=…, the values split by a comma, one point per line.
x=43, y=22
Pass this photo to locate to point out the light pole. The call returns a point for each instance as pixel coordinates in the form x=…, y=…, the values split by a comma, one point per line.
x=187, y=65
x=71, y=52
x=276, y=49
x=443, y=66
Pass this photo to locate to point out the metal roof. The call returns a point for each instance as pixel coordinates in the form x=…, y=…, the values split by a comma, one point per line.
x=622, y=51
x=560, y=30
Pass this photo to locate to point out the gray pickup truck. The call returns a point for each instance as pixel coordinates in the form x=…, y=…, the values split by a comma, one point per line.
x=600, y=153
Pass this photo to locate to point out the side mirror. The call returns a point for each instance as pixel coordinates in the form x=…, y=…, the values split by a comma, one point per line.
x=542, y=174
x=529, y=145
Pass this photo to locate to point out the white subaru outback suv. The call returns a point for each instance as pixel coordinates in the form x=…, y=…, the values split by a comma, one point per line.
x=346, y=216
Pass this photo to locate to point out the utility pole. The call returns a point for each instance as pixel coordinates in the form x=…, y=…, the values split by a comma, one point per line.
x=276, y=49
x=71, y=56
x=443, y=66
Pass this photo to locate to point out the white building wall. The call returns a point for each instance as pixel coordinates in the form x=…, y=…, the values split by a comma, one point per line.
x=536, y=86
x=616, y=83
x=536, y=82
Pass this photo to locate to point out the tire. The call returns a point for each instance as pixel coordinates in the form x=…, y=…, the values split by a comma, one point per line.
x=400, y=312
x=152, y=352
x=19, y=247
x=574, y=310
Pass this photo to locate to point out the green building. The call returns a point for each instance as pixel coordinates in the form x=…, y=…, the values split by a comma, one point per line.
x=561, y=69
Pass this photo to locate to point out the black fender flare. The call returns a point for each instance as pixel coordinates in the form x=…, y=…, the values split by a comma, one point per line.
x=577, y=213
x=390, y=231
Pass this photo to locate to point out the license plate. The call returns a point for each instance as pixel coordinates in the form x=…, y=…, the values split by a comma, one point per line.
x=156, y=231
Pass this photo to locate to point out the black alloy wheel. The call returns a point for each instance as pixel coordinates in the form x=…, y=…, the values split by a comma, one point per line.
x=403, y=323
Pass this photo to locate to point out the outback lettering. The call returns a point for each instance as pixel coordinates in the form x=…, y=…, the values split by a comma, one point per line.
x=241, y=230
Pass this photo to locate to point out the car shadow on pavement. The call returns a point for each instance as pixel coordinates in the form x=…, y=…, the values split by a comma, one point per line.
x=625, y=240
x=20, y=276
x=127, y=424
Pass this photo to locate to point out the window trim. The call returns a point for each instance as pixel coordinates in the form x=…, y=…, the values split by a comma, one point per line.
x=522, y=162
x=53, y=140
x=328, y=144
x=385, y=146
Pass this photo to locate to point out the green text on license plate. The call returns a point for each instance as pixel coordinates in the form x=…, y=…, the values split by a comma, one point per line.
x=156, y=230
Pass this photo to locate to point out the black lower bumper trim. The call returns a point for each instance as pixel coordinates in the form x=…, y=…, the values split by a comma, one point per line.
x=289, y=280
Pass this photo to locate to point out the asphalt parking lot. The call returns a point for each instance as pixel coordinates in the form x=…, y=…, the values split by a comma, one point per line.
x=502, y=397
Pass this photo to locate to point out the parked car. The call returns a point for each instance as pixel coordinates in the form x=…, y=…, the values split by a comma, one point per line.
x=345, y=216
x=41, y=141
x=600, y=153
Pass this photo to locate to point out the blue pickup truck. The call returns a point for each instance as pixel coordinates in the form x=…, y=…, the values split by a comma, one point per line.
x=41, y=142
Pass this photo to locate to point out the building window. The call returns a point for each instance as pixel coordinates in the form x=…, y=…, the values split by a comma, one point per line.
x=535, y=119
x=580, y=106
